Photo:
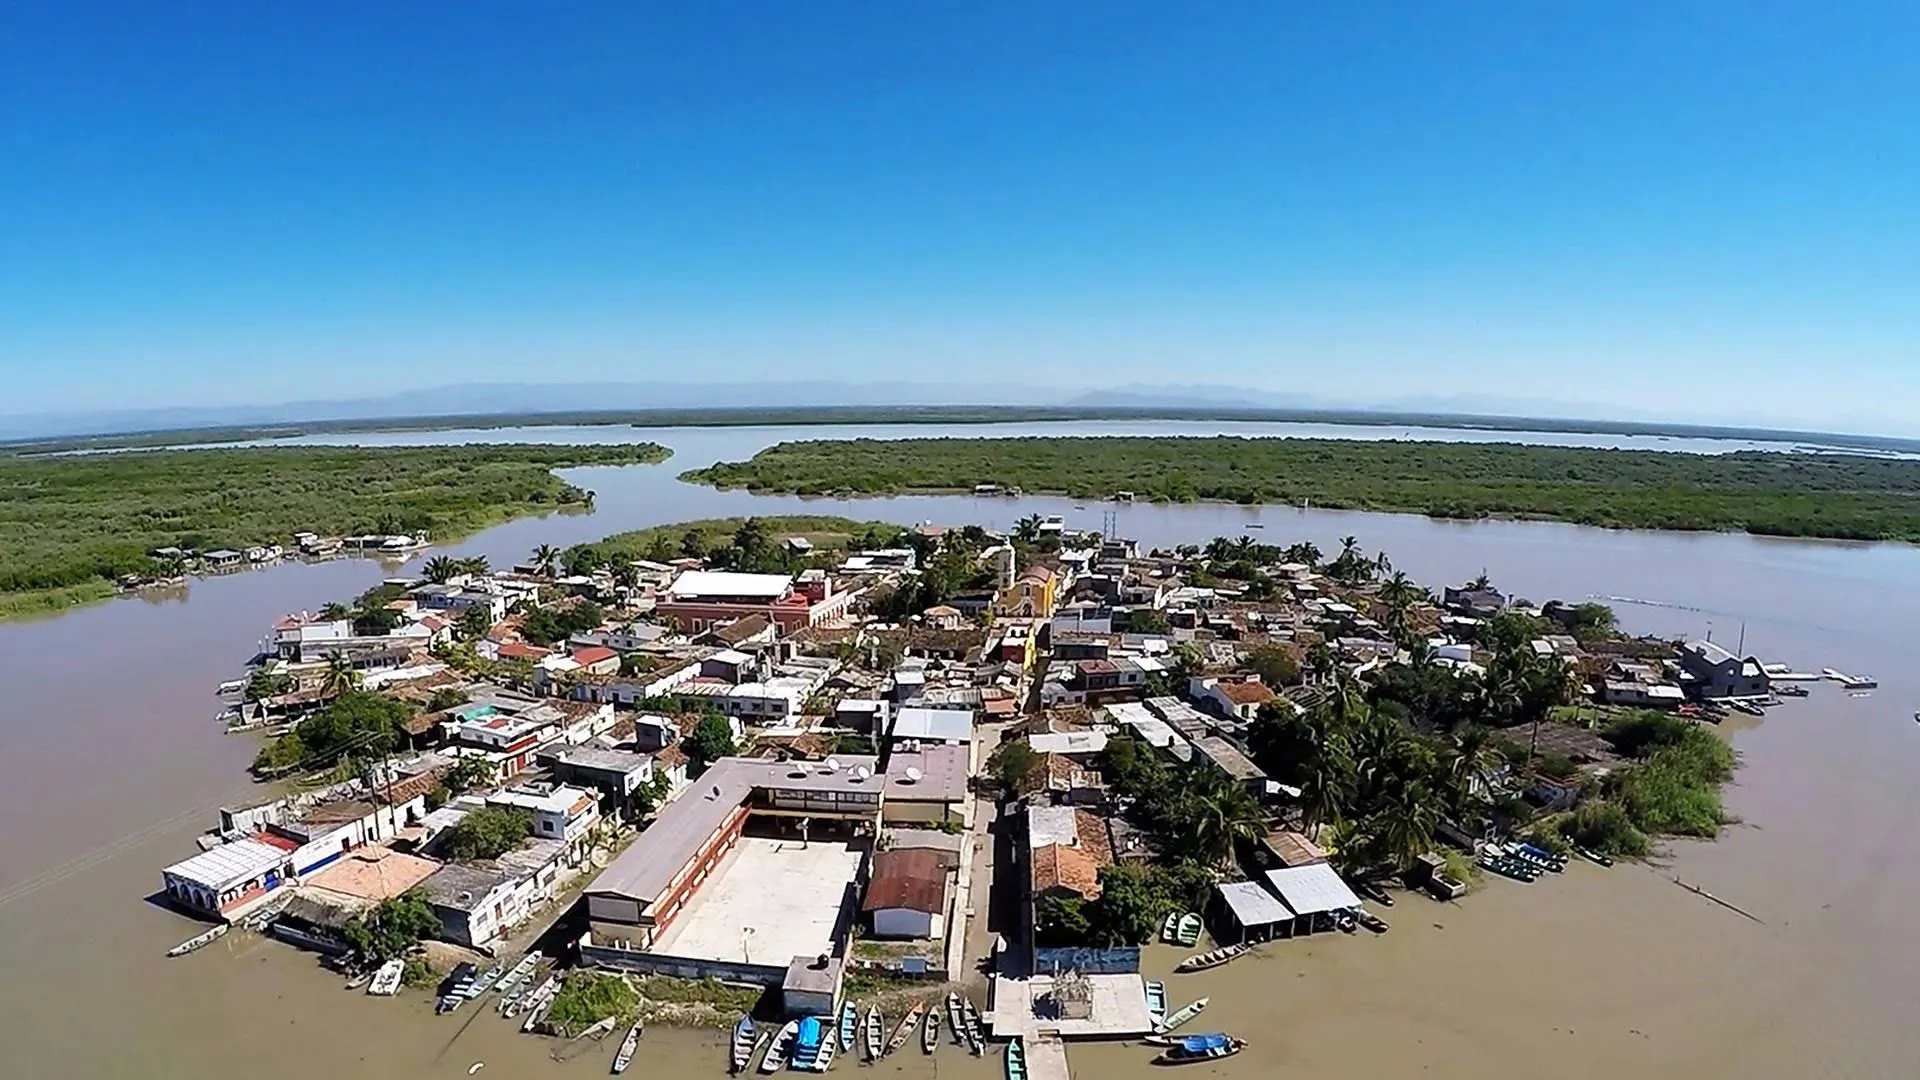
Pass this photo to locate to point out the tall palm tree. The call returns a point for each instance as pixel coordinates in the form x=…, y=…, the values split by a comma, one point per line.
x=474, y=564
x=1407, y=821
x=626, y=574
x=545, y=558
x=340, y=675
x=1224, y=815
x=441, y=569
x=1027, y=529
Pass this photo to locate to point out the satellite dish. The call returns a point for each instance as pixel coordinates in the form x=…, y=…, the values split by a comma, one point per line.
x=833, y=764
x=861, y=772
x=913, y=774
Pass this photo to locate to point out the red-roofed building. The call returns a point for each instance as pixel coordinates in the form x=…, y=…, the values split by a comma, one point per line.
x=520, y=650
x=597, y=660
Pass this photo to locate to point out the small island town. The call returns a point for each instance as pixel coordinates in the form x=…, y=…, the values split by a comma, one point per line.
x=856, y=790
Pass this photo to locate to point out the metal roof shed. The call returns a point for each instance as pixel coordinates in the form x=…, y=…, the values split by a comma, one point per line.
x=1313, y=889
x=1252, y=905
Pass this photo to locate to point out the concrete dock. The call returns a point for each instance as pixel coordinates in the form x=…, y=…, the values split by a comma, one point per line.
x=1015, y=1007
x=1047, y=1059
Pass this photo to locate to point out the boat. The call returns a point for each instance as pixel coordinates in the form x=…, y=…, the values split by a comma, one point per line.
x=1371, y=921
x=849, y=1026
x=971, y=1016
x=485, y=981
x=829, y=1045
x=1751, y=708
x=1374, y=893
x=1553, y=861
x=1509, y=867
x=1593, y=856
x=1201, y=1048
x=624, y=1056
x=533, y=999
x=1017, y=1059
x=1188, y=933
x=513, y=986
x=870, y=1033
x=536, y=1003
x=386, y=980
x=1182, y=1016
x=742, y=1048
x=776, y=1056
x=1171, y=926
x=1791, y=690
x=1157, y=1002
x=200, y=940
x=454, y=991
x=956, y=1019
x=904, y=1030
x=930, y=1032
x=359, y=980
x=808, y=1039
x=1345, y=922
x=1212, y=959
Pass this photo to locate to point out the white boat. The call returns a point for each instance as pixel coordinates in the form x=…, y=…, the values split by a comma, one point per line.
x=1183, y=1016
x=870, y=1033
x=199, y=941
x=386, y=981
x=1157, y=1002
x=535, y=1004
x=823, y=1057
x=781, y=1046
x=972, y=1017
x=518, y=976
x=628, y=1045
x=1212, y=959
x=485, y=981
x=956, y=1019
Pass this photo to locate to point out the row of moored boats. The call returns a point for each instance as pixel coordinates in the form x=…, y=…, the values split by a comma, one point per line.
x=812, y=1043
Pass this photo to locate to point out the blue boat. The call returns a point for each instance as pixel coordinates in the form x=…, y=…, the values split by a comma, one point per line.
x=1194, y=1048
x=849, y=1024
x=742, y=1045
x=806, y=1044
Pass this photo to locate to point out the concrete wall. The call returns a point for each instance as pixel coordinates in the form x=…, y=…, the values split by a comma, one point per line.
x=647, y=963
x=1121, y=961
x=905, y=923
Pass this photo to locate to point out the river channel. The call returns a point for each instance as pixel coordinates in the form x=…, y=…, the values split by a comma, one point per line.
x=110, y=764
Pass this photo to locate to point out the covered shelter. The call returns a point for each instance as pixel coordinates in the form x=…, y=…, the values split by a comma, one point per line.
x=1247, y=911
x=1314, y=893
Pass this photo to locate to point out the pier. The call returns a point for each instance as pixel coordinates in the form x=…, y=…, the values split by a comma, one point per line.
x=1047, y=1059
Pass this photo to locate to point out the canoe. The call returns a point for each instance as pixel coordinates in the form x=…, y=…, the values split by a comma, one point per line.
x=199, y=941
x=1171, y=926
x=1016, y=1059
x=533, y=998
x=1593, y=856
x=516, y=979
x=1212, y=959
x=930, y=1032
x=1188, y=934
x=870, y=1033
x=807, y=1042
x=535, y=1004
x=1201, y=1048
x=484, y=982
x=1183, y=1016
x=1372, y=922
x=782, y=1045
x=455, y=994
x=624, y=1057
x=1157, y=1002
x=386, y=981
x=956, y=1019
x=904, y=1030
x=971, y=1016
x=849, y=1026
x=823, y=1057
x=742, y=1046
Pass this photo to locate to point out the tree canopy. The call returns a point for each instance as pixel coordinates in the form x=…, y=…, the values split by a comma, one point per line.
x=489, y=832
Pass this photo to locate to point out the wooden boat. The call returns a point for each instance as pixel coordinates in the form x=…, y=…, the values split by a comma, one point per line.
x=904, y=1030
x=1371, y=921
x=956, y=1019
x=624, y=1056
x=1017, y=1059
x=536, y=1003
x=760, y=1042
x=1171, y=926
x=533, y=998
x=485, y=981
x=455, y=993
x=1345, y=922
x=930, y=1031
x=809, y=1039
x=1374, y=893
x=1201, y=1048
x=971, y=1016
x=849, y=1026
x=1188, y=933
x=742, y=1045
x=1509, y=867
x=1212, y=959
x=360, y=980
x=1157, y=1002
x=1593, y=856
x=870, y=1033
x=517, y=977
x=200, y=940
x=1183, y=1016
x=823, y=1057
x=386, y=981
x=782, y=1045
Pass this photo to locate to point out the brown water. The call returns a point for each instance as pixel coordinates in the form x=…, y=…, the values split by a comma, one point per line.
x=110, y=764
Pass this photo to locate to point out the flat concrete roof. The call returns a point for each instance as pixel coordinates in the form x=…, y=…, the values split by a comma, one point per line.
x=1119, y=1008
x=790, y=894
x=724, y=584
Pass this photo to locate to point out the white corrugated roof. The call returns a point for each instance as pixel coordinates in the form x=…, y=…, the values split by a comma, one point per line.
x=1252, y=904
x=1052, y=825
x=1155, y=731
x=1312, y=889
x=229, y=864
x=1069, y=742
x=721, y=583
x=938, y=725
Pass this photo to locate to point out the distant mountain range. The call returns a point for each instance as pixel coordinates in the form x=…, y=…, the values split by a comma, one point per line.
x=481, y=399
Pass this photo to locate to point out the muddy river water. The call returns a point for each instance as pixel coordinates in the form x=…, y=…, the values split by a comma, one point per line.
x=110, y=765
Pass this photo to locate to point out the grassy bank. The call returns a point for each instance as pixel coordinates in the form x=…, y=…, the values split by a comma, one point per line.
x=707, y=535
x=1671, y=789
x=1812, y=495
x=70, y=526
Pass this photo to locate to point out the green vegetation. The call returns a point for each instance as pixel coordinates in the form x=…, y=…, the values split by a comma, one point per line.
x=1016, y=766
x=588, y=997
x=712, y=739
x=489, y=832
x=72, y=526
x=357, y=724
x=1825, y=495
x=718, y=536
x=553, y=623
x=392, y=928
x=666, y=990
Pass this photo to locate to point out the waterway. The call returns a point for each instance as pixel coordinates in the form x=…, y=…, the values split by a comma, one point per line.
x=110, y=764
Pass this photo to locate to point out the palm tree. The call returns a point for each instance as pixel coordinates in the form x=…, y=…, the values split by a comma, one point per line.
x=545, y=557
x=1027, y=529
x=340, y=676
x=1224, y=815
x=626, y=574
x=1349, y=547
x=1382, y=563
x=1306, y=553
x=1407, y=821
x=335, y=612
x=1480, y=583
x=474, y=564
x=440, y=569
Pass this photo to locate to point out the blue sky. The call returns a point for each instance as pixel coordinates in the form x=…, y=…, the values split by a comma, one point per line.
x=1707, y=210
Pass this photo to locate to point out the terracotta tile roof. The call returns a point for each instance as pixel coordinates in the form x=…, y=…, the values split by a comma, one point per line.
x=520, y=650
x=740, y=629
x=1057, y=866
x=594, y=654
x=413, y=786
x=1246, y=693
x=915, y=879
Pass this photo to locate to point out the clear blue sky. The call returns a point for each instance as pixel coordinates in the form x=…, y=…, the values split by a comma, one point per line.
x=1707, y=209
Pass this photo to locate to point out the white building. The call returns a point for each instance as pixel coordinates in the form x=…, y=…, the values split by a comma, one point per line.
x=949, y=727
x=565, y=813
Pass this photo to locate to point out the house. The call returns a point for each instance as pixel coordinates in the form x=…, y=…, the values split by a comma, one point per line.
x=230, y=879
x=907, y=894
x=505, y=740
x=222, y=559
x=698, y=600
x=596, y=660
x=728, y=665
x=1235, y=700
x=1227, y=758
x=949, y=727
x=748, y=630
x=1477, y=603
x=475, y=906
x=615, y=774
x=1314, y=893
x=1031, y=596
x=1713, y=672
x=927, y=786
x=861, y=714
x=1067, y=849
x=302, y=638
x=943, y=617
x=562, y=813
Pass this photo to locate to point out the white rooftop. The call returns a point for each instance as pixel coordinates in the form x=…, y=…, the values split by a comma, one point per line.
x=1312, y=889
x=1068, y=742
x=1252, y=904
x=725, y=583
x=229, y=864
x=934, y=725
x=1052, y=825
x=1155, y=731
